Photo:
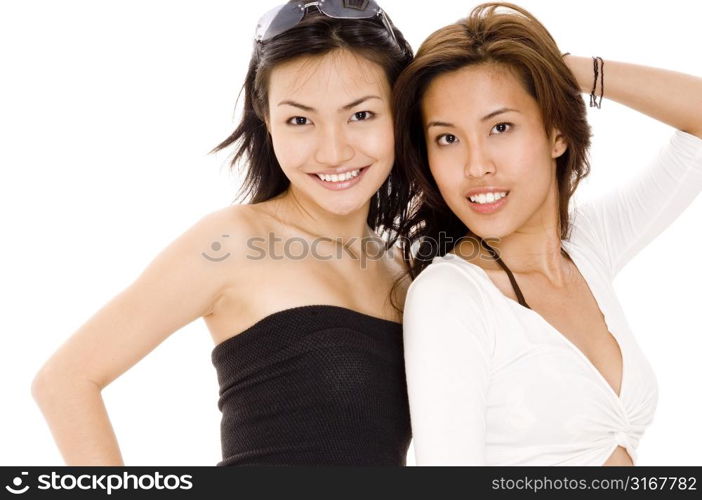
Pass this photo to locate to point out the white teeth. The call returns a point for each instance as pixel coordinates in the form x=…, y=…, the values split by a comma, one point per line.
x=487, y=197
x=339, y=177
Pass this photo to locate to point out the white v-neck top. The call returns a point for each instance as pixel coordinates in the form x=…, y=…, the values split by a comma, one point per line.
x=491, y=382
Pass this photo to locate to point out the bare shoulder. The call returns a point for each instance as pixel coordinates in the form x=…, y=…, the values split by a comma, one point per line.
x=222, y=236
x=180, y=284
x=203, y=257
x=237, y=219
x=225, y=236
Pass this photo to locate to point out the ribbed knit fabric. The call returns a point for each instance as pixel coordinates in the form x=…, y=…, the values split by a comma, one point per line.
x=314, y=385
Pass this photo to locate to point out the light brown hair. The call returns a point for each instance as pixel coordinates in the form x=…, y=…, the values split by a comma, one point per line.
x=516, y=40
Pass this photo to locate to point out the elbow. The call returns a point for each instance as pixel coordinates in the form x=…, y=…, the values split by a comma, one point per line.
x=44, y=385
x=39, y=387
x=48, y=384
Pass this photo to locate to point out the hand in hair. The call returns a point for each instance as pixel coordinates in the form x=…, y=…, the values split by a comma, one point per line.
x=671, y=97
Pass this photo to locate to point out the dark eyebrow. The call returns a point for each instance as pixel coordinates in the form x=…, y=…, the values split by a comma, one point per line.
x=297, y=105
x=359, y=101
x=439, y=124
x=497, y=112
x=344, y=108
x=484, y=118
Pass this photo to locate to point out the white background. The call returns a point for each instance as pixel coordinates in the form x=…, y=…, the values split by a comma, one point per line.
x=107, y=112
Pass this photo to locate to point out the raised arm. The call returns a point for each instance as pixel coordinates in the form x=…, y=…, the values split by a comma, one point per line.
x=177, y=287
x=448, y=348
x=630, y=216
x=668, y=96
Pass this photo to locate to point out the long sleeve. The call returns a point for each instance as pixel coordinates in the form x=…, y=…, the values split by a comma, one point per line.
x=626, y=219
x=448, y=346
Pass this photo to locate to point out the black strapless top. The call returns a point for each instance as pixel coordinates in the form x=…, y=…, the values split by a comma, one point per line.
x=314, y=385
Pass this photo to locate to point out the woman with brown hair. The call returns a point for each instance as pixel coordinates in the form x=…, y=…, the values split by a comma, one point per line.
x=517, y=350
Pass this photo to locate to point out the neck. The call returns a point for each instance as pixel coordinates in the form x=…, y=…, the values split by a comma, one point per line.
x=535, y=248
x=531, y=253
x=308, y=217
x=532, y=250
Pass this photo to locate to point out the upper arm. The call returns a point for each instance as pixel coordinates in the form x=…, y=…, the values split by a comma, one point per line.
x=178, y=286
x=629, y=217
x=448, y=345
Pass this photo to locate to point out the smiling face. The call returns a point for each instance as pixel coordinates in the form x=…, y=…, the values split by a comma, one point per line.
x=330, y=122
x=485, y=134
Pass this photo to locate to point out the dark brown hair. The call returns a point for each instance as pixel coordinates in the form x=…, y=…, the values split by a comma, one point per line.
x=516, y=40
x=315, y=35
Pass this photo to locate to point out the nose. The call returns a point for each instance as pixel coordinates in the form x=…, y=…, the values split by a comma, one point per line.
x=478, y=161
x=333, y=148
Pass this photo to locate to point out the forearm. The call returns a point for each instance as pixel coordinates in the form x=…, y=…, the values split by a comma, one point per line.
x=671, y=97
x=78, y=420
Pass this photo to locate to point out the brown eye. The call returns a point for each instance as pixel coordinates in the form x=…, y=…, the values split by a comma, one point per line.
x=446, y=139
x=362, y=116
x=298, y=120
x=502, y=127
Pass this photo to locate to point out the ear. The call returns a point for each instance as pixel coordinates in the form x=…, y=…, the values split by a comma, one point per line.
x=559, y=145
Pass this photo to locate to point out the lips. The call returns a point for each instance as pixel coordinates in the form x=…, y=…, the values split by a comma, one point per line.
x=339, y=185
x=486, y=202
x=338, y=171
x=485, y=190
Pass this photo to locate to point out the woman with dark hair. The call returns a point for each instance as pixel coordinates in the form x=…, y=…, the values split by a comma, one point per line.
x=517, y=351
x=295, y=289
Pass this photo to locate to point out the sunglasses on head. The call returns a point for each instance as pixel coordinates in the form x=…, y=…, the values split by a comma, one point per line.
x=286, y=16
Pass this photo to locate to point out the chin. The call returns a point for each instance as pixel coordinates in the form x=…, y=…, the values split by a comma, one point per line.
x=485, y=229
x=343, y=209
